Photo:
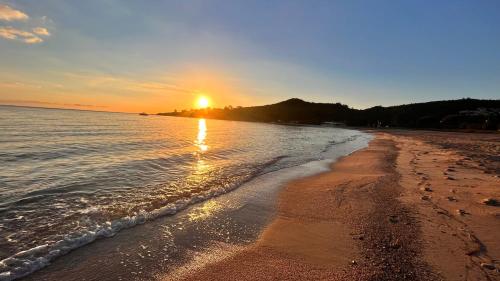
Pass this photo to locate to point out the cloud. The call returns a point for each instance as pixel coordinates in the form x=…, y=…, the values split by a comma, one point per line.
x=41, y=31
x=9, y=14
x=124, y=83
x=9, y=32
x=41, y=103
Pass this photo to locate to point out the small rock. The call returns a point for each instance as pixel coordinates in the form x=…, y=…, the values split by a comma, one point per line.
x=353, y=262
x=490, y=202
x=427, y=188
x=451, y=198
x=461, y=212
x=358, y=237
x=449, y=178
x=488, y=266
x=425, y=197
x=393, y=219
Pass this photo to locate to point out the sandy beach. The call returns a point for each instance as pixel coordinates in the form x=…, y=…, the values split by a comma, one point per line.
x=414, y=205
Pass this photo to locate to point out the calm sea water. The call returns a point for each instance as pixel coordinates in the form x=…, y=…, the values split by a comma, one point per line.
x=68, y=177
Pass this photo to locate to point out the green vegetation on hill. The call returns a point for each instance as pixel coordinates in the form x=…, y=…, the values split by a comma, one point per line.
x=452, y=114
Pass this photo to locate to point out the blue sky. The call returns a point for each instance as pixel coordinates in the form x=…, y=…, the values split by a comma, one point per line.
x=160, y=55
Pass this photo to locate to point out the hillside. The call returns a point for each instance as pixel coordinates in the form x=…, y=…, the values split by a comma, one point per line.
x=461, y=113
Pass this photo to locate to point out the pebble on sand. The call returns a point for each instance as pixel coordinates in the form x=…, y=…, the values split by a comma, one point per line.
x=488, y=266
x=490, y=202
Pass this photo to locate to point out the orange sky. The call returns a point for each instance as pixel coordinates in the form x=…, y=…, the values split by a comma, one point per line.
x=126, y=94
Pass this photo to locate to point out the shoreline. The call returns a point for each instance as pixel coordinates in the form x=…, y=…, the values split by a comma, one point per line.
x=368, y=219
x=385, y=212
x=161, y=245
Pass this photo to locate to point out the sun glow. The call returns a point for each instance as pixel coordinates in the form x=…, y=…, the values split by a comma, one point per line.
x=203, y=102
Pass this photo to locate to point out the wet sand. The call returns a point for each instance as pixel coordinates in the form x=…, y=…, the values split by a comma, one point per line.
x=408, y=207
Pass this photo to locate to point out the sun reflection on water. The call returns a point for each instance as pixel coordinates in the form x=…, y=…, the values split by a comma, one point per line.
x=204, y=211
x=201, y=168
x=202, y=134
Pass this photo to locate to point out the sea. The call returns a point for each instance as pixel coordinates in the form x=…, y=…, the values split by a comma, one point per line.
x=69, y=178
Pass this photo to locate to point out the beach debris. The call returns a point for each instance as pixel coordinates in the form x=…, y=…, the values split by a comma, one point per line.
x=490, y=202
x=488, y=266
x=427, y=188
x=461, y=212
x=425, y=197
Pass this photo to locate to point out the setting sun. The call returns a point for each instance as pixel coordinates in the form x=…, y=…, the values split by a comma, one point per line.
x=203, y=102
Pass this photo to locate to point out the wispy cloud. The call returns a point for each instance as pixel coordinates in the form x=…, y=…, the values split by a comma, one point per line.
x=9, y=32
x=9, y=14
x=41, y=103
x=124, y=83
x=41, y=31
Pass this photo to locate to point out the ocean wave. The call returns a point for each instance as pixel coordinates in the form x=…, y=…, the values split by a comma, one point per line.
x=26, y=262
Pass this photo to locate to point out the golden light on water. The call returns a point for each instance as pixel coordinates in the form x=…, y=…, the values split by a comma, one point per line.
x=203, y=102
x=204, y=211
x=202, y=134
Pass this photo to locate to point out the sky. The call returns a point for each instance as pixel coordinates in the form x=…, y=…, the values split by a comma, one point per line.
x=157, y=56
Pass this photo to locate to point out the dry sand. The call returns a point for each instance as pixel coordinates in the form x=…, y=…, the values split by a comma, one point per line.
x=387, y=212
